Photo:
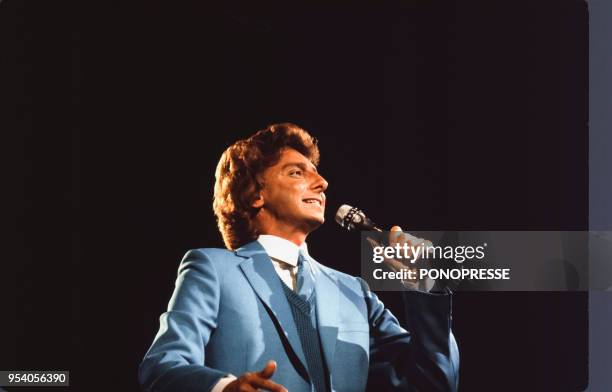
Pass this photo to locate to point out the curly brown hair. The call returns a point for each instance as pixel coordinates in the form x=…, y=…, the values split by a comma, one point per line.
x=237, y=185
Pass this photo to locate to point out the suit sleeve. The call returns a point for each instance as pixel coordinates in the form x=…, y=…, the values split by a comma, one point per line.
x=175, y=360
x=422, y=357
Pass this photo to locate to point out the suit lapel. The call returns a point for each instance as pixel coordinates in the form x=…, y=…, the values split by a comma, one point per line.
x=264, y=280
x=328, y=308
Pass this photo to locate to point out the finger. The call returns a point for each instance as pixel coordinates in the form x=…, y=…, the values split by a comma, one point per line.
x=425, y=246
x=412, y=239
x=247, y=387
x=268, y=385
x=269, y=370
x=416, y=242
x=394, y=264
x=394, y=235
x=373, y=243
x=397, y=266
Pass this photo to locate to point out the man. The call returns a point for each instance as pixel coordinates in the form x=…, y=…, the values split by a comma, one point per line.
x=264, y=315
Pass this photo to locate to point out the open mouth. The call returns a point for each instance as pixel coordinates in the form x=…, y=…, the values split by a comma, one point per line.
x=312, y=201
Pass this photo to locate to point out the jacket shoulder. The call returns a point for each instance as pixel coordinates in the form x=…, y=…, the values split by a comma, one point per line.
x=220, y=258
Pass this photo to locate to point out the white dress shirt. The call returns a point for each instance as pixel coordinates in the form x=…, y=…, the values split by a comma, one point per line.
x=284, y=256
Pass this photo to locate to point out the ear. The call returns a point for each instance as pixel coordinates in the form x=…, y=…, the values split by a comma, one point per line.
x=258, y=202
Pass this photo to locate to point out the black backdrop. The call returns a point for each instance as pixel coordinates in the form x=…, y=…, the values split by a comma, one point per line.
x=430, y=115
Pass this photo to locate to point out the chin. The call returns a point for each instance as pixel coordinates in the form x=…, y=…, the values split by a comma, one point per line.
x=318, y=221
x=314, y=222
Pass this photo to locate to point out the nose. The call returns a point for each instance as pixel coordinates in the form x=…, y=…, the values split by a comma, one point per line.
x=319, y=183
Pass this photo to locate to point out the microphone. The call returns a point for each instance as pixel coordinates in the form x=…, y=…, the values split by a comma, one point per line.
x=352, y=218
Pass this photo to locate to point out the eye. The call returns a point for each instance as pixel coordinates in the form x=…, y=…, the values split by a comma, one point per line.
x=296, y=173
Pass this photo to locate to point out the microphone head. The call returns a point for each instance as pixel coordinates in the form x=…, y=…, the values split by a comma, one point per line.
x=352, y=218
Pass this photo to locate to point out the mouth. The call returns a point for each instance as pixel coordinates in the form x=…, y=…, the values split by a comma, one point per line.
x=314, y=201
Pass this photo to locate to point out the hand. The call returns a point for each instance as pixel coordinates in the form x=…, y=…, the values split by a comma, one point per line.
x=396, y=236
x=254, y=381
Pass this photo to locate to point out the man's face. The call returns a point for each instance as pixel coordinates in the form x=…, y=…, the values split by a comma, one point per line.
x=292, y=196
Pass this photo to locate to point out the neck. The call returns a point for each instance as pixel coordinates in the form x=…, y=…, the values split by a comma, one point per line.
x=292, y=233
x=296, y=236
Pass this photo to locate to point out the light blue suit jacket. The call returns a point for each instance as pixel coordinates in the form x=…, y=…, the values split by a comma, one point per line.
x=229, y=314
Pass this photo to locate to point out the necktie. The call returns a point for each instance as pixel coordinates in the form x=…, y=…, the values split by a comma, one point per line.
x=305, y=278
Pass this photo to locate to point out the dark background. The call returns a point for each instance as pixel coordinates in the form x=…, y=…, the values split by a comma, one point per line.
x=431, y=115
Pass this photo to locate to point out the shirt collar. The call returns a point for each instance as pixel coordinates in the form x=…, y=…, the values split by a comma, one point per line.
x=282, y=249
